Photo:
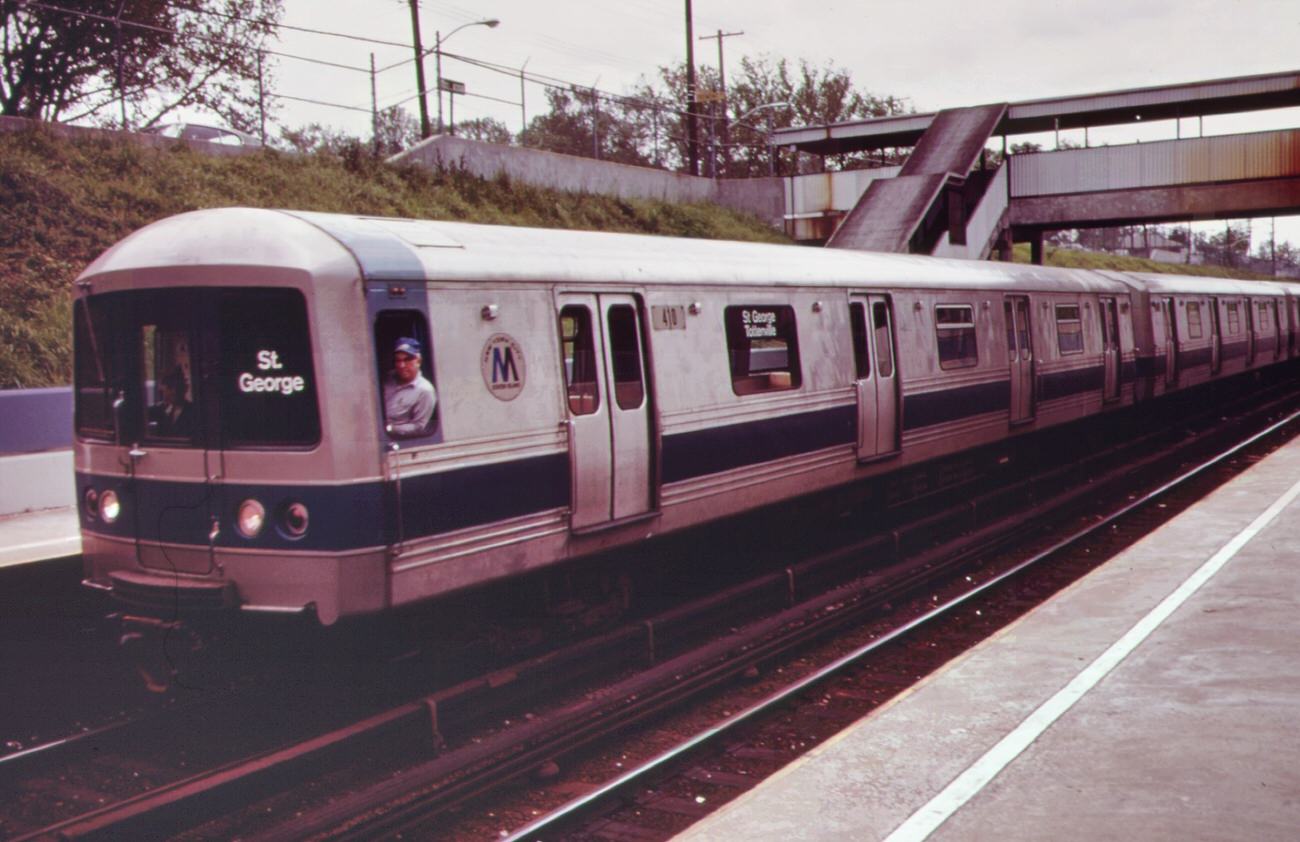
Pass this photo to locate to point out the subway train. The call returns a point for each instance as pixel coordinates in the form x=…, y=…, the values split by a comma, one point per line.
x=589, y=390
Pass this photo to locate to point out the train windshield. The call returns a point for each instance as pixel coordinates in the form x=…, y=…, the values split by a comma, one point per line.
x=215, y=368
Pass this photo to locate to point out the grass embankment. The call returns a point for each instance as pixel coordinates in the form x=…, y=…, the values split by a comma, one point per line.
x=1074, y=259
x=63, y=202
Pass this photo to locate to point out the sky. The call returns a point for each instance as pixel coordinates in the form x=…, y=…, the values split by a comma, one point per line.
x=932, y=53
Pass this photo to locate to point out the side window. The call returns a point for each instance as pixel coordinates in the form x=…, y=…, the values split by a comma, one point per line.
x=858, y=324
x=1195, y=330
x=1069, y=329
x=625, y=355
x=579, y=347
x=1263, y=317
x=93, y=371
x=404, y=352
x=955, y=328
x=884, y=337
x=762, y=348
x=1234, y=319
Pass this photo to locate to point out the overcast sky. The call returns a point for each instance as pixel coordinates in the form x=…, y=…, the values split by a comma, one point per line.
x=935, y=53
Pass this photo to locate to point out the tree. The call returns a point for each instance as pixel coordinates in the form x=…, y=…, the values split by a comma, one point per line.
x=396, y=130
x=130, y=62
x=485, y=129
x=817, y=95
x=582, y=122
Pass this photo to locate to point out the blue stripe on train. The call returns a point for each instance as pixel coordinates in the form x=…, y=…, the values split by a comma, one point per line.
x=701, y=452
x=343, y=517
x=930, y=408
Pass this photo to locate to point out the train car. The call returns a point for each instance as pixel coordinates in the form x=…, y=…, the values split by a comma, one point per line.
x=235, y=371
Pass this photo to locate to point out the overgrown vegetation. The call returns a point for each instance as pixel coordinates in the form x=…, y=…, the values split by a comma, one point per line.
x=1076, y=259
x=66, y=201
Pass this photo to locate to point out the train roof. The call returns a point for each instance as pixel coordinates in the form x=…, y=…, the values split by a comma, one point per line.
x=1158, y=283
x=407, y=250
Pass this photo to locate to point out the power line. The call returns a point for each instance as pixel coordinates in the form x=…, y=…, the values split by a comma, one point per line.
x=209, y=39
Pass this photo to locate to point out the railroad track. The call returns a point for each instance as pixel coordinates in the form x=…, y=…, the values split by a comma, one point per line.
x=433, y=755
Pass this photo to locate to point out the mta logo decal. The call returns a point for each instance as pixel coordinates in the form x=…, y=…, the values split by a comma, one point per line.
x=503, y=367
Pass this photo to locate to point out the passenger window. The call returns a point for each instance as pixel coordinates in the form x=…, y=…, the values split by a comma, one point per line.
x=625, y=354
x=858, y=324
x=955, y=328
x=884, y=345
x=93, y=371
x=408, y=392
x=1069, y=329
x=1195, y=330
x=171, y=414
x=1234, y=319
x=1263, y=317
x=762, y=348
x=579, y=346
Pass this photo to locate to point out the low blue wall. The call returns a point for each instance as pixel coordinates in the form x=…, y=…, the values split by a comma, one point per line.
x=32, y=420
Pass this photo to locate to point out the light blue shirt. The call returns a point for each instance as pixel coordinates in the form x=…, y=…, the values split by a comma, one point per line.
x=408, y=407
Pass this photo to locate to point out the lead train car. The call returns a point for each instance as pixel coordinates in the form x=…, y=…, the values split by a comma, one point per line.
x=592, y=390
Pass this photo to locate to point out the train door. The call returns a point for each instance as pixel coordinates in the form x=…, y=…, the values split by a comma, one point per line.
x=1252, y=324
x=1216, y=338
x=170, y=448
x=877, y=385
x=1275, y=327
x=1171, y=341
x=1110, y=349
x=608, y=408
x=1020, y=355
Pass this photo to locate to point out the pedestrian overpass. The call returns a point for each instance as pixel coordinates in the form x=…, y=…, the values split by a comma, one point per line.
x=947, y=200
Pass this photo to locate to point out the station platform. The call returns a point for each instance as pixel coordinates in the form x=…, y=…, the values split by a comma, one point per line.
x=35, y=536
x=1157, y=698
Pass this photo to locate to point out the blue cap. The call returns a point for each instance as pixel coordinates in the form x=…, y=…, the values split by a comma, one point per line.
x=407, y=345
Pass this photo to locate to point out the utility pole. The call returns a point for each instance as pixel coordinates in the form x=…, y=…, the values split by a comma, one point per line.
x=419, y=69
x=723, y=126
x=692, y=129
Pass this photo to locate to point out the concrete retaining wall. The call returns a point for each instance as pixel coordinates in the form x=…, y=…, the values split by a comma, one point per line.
x=35, y=419
x=33, y=481
x=762, y=197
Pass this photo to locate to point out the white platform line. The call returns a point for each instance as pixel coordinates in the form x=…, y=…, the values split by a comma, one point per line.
x=939, y=809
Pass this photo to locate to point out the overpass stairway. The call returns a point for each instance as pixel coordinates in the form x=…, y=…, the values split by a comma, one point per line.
x=931, y=194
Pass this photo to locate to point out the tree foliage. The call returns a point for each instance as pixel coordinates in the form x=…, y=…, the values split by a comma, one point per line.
x=130, y=62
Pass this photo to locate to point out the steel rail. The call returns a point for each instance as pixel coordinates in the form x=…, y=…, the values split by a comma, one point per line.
x=553, y=822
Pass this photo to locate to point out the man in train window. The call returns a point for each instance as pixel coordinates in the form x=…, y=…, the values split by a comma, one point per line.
x=172, y=416
x=409, y=398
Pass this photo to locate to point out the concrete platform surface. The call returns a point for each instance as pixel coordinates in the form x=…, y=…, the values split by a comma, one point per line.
x=1156, y=699
x=35, y=536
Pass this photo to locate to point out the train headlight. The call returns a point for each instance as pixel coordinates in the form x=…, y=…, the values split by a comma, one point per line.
x=294, y=519
x=109, y=506
x=91, y=500
x=250, y=519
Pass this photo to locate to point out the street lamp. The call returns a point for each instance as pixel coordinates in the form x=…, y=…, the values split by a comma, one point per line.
x=490, y=23
x=771, y=161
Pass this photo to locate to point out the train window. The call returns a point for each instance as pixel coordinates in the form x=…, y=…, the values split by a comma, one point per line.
x=171, y=414
x=92, y=372
x=1263, y=316
x=858, y=324
x=1234, y=318
x=955, y=328
x=580, y=371
x=1195, y=330
x=268, y=386
x=1069, y=329
x=391, y=326
x=625, y=353
x=884, y=341
x=762, y=348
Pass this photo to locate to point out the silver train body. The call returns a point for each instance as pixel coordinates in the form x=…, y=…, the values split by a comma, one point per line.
x=593, y=390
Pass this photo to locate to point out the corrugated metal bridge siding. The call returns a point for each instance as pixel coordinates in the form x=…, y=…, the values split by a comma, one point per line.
x=1168, y=163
